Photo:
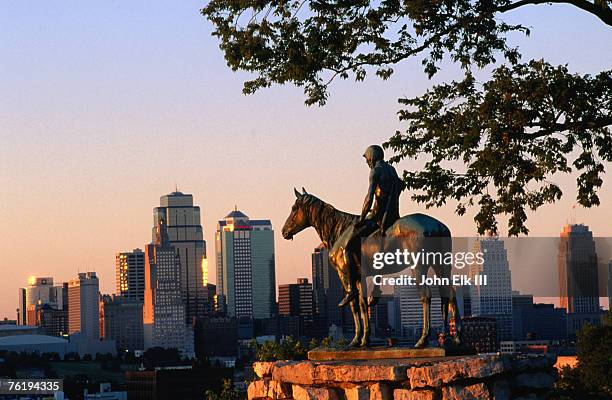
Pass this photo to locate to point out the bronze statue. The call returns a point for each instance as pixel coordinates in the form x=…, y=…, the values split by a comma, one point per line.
x=380, y=210
x=337, y=229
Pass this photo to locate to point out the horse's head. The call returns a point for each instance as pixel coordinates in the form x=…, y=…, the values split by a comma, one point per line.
x=298, y=220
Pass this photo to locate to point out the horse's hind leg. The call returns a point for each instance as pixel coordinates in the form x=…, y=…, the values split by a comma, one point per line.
x=356, y=322
x=365, y=316
x=445, y=295
x=454, y=310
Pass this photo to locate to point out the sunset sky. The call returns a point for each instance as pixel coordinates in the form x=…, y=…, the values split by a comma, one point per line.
x=106, y=106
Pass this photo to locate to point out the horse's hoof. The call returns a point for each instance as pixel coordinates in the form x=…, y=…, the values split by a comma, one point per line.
x=364, y=343
x=421, y=343
x=353, y=343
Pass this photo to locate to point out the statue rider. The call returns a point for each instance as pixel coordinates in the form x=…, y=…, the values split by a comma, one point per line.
x=380, y=210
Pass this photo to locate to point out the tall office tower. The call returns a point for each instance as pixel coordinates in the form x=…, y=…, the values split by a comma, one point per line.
x=495, y=298
x=39, y=291
x=327, y=289
x=129, y=273
x=295, y=299
x=410, y=312
x=577, y=265
x=121, y=321
x=83, y=308
x=245, y=266
x=53, y=320
x=182, y=220
x=522, y=305
x=164, y=308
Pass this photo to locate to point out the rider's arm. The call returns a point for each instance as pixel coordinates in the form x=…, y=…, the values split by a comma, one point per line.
x=367, y=203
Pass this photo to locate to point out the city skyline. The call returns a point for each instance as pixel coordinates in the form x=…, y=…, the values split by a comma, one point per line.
x=111, y=288
x=83, y=164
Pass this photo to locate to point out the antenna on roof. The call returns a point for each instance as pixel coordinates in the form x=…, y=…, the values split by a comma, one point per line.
x=235, y=207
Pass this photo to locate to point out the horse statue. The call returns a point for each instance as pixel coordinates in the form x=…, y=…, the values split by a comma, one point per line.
x=335, y=228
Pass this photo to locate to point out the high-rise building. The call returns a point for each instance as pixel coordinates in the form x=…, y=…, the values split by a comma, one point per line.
x=327, y=289
x=480, y=334
x=129, y=273
x=577, y=266
x=83, y=308
x=52, y=320
x=182, y=220
x=295, y=299
x=39, y=291
x=379, y=316
x=121, y=321
x=495, y=298
x=245, y=266
x=164, y=309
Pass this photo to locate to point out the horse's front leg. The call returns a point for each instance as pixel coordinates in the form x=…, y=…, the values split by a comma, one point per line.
x=356, y=322
x=365, y=316
x=425, y=292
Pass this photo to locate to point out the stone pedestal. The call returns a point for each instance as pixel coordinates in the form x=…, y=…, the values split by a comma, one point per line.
x=491, y=377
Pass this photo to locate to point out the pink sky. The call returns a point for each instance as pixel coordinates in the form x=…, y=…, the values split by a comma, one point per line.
x=105, y=109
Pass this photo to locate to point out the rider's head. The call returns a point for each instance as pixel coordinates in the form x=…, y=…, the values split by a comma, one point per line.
x=373, y=154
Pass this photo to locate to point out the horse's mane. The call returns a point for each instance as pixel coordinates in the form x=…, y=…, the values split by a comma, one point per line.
x=328, y=221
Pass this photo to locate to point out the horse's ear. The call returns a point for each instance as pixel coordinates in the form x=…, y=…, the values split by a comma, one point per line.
x=297, y=194
x=304, y=190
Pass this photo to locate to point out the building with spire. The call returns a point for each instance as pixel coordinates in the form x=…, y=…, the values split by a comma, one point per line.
x=164, y=308
x=182, y=221
x=246, y=280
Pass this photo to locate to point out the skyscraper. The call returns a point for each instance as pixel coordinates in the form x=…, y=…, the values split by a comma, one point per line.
x=295, y=299
x=129, y=273
x=577, y=263
x=83, y=308
x=121, y=321
x=40, y=291
x=245, y=266
x=327, y=288
x=182, y=220
x=164, y=307
x=495, y=298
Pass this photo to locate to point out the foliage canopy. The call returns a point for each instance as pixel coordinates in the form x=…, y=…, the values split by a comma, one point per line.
x=514, y=133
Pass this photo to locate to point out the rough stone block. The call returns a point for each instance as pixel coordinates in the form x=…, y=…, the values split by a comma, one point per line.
x=407, y=394
x=358, y=373
x=279, y=390
x=266, y=389
x=442, y=373
x=257, y=390
x=313, y=393
x=357, y=393
x=263, y=369
x=473, y=392
x=380, y=391
x=301, y=373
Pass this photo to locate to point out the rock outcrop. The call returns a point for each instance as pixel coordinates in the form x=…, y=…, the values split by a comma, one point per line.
x=491, y=377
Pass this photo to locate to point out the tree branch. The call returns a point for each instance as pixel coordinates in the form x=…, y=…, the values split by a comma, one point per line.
x=603, y=12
